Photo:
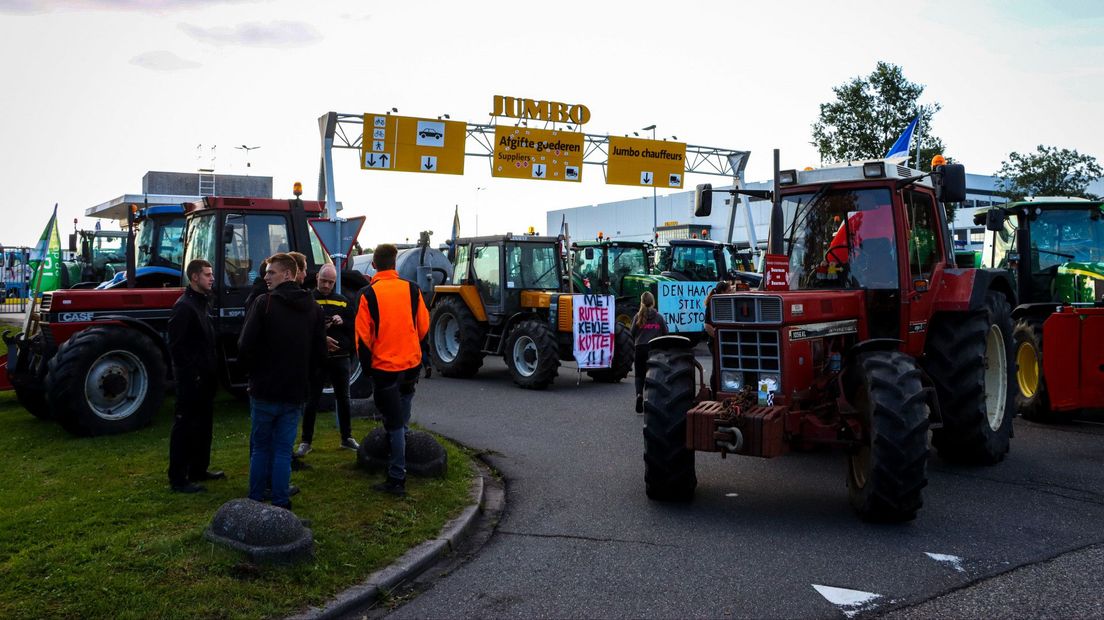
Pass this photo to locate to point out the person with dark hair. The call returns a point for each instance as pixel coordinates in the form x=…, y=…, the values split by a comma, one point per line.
x=392, y=320
x=647, y=324
x=338, y=314
x=192, y=349
x=282, y=343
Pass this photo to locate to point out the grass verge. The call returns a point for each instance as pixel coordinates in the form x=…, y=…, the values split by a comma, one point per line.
x=89, y=528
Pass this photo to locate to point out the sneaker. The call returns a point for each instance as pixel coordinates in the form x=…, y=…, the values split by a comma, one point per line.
x=640, y=404
x=303, y=450
x=350, y=444
x=188, y=488
x=392, y=486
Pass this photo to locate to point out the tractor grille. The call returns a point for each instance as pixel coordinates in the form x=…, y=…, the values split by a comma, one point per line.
x=903, y=172
x=44, y=306
x=747, y=309
x=750, y=350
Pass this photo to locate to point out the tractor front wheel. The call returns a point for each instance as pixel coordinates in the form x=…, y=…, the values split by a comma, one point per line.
x=888, y=472
x=106, y=380
x=668, y=394
x=970, y=362
x=622, y=363
x=455, y=338
x=532, y=355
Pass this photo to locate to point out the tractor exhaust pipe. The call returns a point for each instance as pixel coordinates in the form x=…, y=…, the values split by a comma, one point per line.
x=774, y=244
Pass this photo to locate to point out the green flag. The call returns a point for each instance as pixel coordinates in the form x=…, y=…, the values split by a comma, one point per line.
x=46, y=259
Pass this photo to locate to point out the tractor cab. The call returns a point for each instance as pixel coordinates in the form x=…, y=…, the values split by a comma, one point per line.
x=705, y=260
x=159, y=245
x=503, y=268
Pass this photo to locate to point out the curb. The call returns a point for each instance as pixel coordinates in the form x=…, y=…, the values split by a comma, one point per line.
x=409, y=565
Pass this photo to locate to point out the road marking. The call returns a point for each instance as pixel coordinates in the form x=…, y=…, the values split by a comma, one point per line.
x=953, y=560
x=732, y=495
x=850, y=602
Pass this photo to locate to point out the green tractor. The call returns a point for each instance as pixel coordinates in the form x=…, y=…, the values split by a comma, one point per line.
x=1054, y=249
x=705, y=260
x=99, y=255
x=623, y=269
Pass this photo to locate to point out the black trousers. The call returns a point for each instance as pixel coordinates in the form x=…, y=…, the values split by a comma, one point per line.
x=394, y=394
x=190, y=438
x=336, y=369
x=640, y=367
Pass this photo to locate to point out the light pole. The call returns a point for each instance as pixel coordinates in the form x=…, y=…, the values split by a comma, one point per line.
x=655, y=209
x=477, y=190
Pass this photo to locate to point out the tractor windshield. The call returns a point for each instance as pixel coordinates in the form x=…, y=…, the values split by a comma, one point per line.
x=841, y=238
x=695, y=262
x=532, y=266
x=1061, y=236
x=109, y=248
x=161, y=245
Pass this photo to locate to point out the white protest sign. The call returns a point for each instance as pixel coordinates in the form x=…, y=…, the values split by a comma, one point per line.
x=593, y=330
x=682, y=305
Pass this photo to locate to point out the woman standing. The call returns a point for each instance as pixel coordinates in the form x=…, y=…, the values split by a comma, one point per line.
x=647, y=324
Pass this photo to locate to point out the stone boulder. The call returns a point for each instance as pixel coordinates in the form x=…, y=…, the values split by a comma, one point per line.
x=264, y=533
x=425, y=456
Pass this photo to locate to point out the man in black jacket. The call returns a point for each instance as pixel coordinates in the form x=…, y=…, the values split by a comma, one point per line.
x=340, y=319
x=192, y=348
x=282, y=342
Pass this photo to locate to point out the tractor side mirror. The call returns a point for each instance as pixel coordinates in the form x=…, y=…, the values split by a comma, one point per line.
x=950, y=183
x=703, y=200
x=589, y=253
x=994, y=219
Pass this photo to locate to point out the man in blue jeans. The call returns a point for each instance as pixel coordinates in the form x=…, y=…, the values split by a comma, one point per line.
x=282, y=343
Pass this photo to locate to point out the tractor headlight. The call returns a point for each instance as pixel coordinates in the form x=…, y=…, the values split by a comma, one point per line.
x=731, y=381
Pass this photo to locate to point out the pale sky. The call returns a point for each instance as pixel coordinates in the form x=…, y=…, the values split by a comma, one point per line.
x=97, y=92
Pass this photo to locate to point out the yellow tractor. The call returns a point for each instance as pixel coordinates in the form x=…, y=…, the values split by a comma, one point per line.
x=507, y=298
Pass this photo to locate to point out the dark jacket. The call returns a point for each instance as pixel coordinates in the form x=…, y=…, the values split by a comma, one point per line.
x=192, y=338
x=336, y=304
x=282, y=343
x=653, y=327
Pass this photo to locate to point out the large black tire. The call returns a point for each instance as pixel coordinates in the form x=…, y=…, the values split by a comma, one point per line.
x=106, y=380
x=969, y=359
x=623, y=354
x=1032, y=398
x=668, y=394
x=885, y=477
x=532, y=355
x=455, y=338
x=34, y=401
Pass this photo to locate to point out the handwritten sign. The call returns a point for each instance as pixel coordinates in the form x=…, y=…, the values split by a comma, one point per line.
x=682, y=305
x=593, y=330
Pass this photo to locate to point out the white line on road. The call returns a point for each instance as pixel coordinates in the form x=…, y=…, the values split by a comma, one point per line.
x=850, y=602
x=953, y=560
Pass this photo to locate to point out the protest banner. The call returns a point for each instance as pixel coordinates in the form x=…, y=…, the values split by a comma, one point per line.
x=682, y=305
x=593, y=330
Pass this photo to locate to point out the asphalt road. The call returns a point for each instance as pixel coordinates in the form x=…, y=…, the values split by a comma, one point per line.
x=763, y=538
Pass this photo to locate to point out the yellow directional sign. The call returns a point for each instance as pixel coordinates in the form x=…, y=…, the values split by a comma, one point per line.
x=655, y=163
x=410, y=144
x=540, y=154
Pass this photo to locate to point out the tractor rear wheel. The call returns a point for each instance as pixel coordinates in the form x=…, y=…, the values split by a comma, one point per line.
x=668, y=394
x=887, y=474
x=106, y=380
x=970, y=362
x=1032, y=399
x=622, y=363
x=532, y=355
x=455, y=338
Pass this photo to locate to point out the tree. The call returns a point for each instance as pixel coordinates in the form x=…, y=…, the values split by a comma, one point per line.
x=868, y=116
x=1049, y=171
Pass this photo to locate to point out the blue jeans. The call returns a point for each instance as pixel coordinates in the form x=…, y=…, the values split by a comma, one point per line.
x=271, y=437
x=394, y=396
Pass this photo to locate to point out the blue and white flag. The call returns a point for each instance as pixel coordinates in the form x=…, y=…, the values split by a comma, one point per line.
x=900, y=148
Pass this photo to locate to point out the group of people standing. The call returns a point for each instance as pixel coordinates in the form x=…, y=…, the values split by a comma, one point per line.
x=292, y=341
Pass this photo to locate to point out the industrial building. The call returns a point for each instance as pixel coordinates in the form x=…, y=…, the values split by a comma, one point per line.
x=173, y=188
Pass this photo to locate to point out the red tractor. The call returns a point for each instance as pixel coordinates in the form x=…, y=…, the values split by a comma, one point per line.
x=97, y=361
x=863, y=336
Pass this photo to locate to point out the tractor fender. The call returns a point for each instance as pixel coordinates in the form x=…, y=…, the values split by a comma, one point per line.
x=964, y=290
x=670, y=342
x=1039, y=310
x=143, y=327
